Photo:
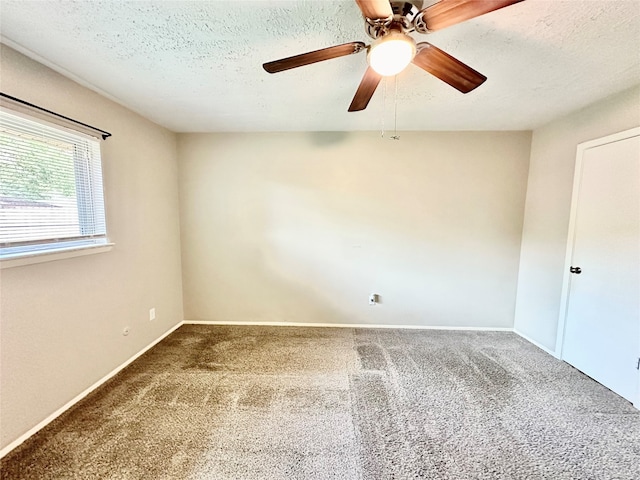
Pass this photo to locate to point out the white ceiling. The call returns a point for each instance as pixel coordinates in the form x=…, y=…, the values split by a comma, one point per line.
x=195, y=66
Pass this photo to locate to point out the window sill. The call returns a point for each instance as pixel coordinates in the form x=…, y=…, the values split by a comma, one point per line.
x=50, y=256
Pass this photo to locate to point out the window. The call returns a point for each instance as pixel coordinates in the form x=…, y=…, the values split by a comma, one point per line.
x=51, y=196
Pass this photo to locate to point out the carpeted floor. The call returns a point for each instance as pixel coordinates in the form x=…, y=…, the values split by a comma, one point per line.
x=213, y=402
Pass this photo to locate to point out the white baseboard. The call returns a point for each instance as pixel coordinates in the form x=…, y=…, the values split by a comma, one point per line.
x=81, y=395
x=539, y=345
x=346, y=325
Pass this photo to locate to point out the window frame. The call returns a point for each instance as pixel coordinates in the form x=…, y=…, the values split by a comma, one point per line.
x=26, y=252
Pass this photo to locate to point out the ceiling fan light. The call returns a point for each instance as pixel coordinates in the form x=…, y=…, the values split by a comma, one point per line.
x=392, y=53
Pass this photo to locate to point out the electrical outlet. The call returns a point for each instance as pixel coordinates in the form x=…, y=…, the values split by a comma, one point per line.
x=152, y=314
x=125, y=331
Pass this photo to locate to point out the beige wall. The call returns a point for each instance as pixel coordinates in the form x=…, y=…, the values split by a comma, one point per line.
x=553, y=153
x=302, y=227
x=61, y=321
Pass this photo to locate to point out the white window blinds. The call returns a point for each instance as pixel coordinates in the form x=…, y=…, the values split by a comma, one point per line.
x=51, y=194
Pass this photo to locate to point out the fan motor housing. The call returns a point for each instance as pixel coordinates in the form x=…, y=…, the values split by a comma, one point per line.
x=407, y=18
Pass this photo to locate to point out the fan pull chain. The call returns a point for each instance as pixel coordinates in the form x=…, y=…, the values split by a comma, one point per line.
x=384, y=105
x=395, y=135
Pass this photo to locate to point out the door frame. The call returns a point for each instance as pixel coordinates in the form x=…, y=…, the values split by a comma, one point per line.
x=566, y=280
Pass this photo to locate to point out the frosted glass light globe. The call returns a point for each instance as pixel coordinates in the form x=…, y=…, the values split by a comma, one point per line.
x=392, y=53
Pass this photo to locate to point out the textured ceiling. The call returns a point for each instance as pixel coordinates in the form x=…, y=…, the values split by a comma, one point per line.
x=196, y=65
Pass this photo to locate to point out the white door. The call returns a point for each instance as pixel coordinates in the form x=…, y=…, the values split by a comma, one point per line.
x=602, y=328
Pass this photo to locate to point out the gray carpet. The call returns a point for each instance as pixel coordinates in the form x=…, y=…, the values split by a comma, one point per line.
x=213, y=402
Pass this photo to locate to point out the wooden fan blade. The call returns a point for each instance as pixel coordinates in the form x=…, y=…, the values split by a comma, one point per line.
x=365, y=91
x=447, y=68
x=375, y=9
x=313, y=57
x=449, y=12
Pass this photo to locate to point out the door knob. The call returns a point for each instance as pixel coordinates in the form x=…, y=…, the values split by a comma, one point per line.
x=576, y=270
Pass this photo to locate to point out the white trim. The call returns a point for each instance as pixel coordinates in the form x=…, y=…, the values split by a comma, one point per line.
x=49, y=255
x=57, y=68
x=83, y=394
x=539, y=345
x=577, y=176
x=347, y=325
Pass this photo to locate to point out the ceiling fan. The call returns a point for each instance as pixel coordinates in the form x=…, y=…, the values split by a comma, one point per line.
x=389, y=23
